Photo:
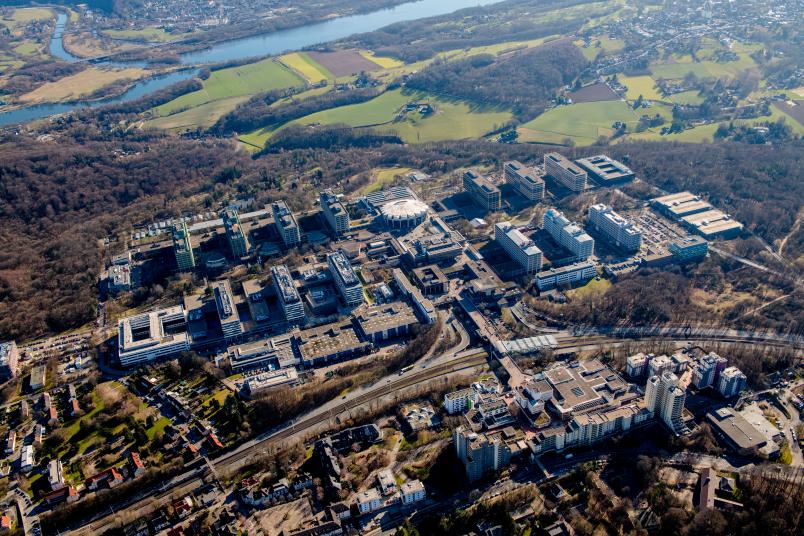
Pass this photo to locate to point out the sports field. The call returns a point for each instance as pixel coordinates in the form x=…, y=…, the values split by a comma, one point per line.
x=641, y=85
x=239, y=81
x=304, y=65
x=584, y=122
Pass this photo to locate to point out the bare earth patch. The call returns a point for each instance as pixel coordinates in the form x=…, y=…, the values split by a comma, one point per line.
x=344, y=62
x=594, y=93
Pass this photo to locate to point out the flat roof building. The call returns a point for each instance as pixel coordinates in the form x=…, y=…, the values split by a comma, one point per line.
x=286, y=224
x=227, y=309
x=617, y=230
x=276, y=352
x=527, y=181
x=565, y=172
x=345, y=279
x=519, y=247
x=568, y=235
x=149, y=336
x=733, y=429
x=238, y=241
x=483, y=192
x=569, y=275
x=675, y=206
x=334, y=212
x=387, y=321
x=330, y=343
x=431, y=280
x=712, y=224
x=605, y=170
x=183, y=248
x=289, y=299
x=272, y=379
x=688, y=248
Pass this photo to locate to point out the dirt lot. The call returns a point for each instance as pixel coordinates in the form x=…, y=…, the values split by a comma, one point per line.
x=285, y=517
x=594, y=93
x=344, y=62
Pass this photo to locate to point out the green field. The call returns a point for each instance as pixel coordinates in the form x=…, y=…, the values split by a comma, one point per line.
x=305, y=66
x=27, y=49
x=452, y=120
x=239, y=81
x=606, y=44
x=687, y=97
x=679, y=66
x=150, y=34
x=641, y=85
x=584, y=122
x=26, y=15
x=203, y=116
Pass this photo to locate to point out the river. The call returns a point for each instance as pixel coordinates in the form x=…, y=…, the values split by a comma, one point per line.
x=247, y=47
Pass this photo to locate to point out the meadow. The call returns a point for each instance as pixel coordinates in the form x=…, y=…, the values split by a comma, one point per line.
x=243, y=80
x=583, y=123
x=304, y=65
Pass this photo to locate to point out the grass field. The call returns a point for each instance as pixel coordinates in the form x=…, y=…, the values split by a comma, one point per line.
x=606, y=44
x=584, y=122
x=150, y=34
x=641, y=85
x=383, y=61
x=239, y=81
x=203, y=116
x=80, y=84
x=25, y=15
x=687, y=97
x=381, y=177
x=304, y=65
x=679, y=66
x=27, y=49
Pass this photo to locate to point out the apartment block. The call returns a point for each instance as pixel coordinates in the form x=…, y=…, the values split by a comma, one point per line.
x=565, y=172
x=665, y=398
x=731, y=382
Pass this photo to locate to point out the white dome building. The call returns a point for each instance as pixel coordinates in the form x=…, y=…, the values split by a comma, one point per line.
x=404, y=213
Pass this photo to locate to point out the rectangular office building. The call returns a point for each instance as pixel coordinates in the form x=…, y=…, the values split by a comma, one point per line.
x=334, y=212
x=525, y=180
x=519, y=247
x=565, y=172
x=345, y=279
x=618, y=230
x=227, y=310
x=568, y=235
x=149, y=336
x=286, y=224
x=483, y=192
x=289, y=299
x=238, y=242
x=605, y=170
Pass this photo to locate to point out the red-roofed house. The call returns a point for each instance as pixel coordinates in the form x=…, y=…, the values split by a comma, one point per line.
x=67, y=493
x=111, y=477
x=183, y=507
x=5, y=524
x=75, y=409
x=136, y=464
x=52, y=416
x=214, y=441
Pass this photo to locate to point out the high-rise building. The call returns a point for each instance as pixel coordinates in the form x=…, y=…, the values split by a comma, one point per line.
x=227, y=309
x=334, y=212
x=568, y=235
x=238, y=241
x=525, y=180
x=286, y=224
x=289, y=299
x=665, y=399
x=9, y=359
x=519, y=247
x=731, y=382
x=345, y=279
x=481, y=453
x=618, y=230
x=636, y=365
x=484, y=193
x=564, y=171
x=183, y=248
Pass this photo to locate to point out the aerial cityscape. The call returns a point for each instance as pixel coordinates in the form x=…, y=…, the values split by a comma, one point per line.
x=402, y=267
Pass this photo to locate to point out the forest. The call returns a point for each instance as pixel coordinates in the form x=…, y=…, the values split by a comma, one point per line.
x=523, y=81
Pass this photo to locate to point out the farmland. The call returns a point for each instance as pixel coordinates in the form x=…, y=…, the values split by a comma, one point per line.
x=80, y=85
x=239, y=81
x=583, y=123
x=202, y=116
x=303, y=64
x=344, y=62
x=641, y=85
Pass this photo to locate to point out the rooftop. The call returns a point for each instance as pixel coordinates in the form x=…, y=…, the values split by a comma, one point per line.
x=343, y=268
x=284, y=282
x=379, y=318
